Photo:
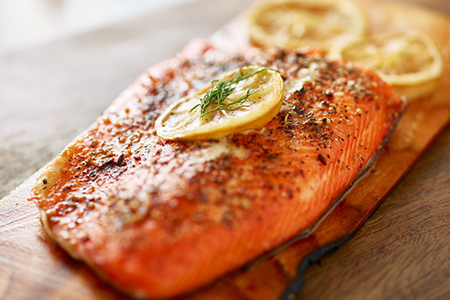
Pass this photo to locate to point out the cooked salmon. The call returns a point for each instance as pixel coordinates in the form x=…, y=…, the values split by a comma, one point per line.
x=160, y=218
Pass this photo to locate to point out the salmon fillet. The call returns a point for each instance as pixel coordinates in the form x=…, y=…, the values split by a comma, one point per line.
x=160, y=218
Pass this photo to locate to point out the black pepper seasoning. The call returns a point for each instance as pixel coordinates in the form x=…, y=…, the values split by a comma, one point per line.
x=322, y=159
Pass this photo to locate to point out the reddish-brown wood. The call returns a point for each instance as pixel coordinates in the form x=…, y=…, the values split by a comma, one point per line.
x=32, y=266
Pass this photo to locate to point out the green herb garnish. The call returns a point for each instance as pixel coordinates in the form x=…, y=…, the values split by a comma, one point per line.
x=222, y=89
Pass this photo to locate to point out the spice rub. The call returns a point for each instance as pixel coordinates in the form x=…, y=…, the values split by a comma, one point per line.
x=159, y=218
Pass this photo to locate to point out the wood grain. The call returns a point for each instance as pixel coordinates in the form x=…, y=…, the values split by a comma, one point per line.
x=402, y=252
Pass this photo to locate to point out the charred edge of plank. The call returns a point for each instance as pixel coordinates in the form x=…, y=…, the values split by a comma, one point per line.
x=296, y=285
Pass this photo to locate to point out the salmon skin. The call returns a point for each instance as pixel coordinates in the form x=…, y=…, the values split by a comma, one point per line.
x=159, y=218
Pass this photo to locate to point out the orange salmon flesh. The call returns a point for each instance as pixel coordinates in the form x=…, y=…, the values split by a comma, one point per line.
x=161, y=218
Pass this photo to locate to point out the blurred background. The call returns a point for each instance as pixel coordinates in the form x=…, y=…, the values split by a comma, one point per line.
x=62, y=62
x=25, y=23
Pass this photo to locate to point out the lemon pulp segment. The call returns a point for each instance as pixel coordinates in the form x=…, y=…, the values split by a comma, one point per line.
x=184, y=120
x=299, y=23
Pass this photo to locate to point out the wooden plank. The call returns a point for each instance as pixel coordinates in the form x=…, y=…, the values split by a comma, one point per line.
x=403, y=252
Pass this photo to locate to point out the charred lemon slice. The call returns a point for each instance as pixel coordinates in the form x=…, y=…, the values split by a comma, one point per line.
x=293, y=24
x=243, y=99
x=410, y=62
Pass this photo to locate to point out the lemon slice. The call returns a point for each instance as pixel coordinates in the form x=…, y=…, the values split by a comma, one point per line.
x=253, y=102
x=410, y=62
x=293, y=24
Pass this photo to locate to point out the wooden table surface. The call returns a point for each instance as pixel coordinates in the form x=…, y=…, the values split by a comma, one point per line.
x=50, y=93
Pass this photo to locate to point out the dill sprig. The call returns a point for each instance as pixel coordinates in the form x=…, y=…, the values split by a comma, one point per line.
x=222, y=89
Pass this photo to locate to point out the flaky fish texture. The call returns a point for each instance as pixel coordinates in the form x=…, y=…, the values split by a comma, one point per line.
x=160, y=218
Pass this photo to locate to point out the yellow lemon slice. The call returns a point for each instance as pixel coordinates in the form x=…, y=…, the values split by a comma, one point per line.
x=243, y=99
x=293, y=24
x=410, y=62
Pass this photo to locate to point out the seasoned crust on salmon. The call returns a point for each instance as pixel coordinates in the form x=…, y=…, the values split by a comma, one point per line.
x=159, y=218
